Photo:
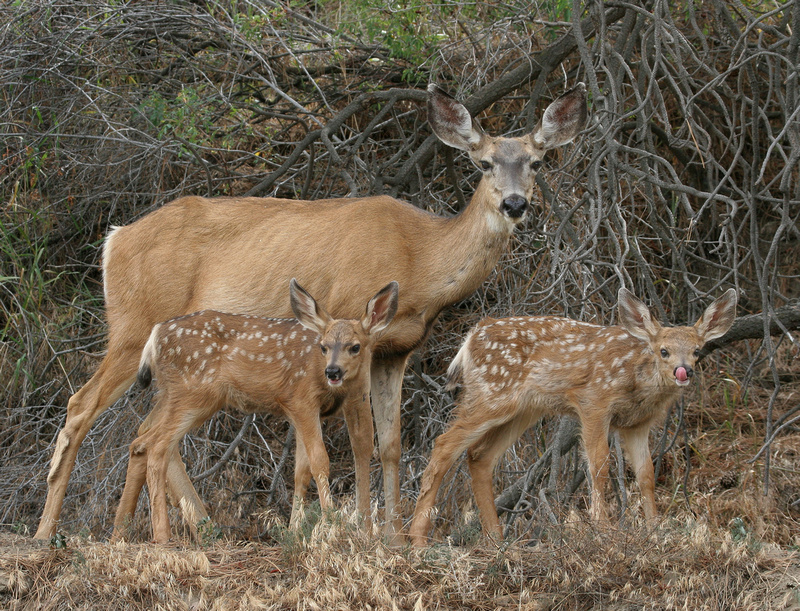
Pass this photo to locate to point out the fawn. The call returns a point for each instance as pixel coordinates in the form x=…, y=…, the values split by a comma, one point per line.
x=304, y=369
x=516, y=370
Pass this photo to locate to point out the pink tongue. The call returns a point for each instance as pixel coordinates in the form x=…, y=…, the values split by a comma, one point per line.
x=680, y=374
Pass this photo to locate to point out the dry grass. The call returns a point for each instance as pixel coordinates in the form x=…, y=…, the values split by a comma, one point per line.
x=681, y=565
x=724, y=544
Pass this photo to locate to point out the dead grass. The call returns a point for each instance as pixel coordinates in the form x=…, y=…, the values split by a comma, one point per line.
x=724, y=544
x=681, y=565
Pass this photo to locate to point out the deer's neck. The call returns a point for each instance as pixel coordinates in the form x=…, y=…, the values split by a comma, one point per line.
x=469, y=246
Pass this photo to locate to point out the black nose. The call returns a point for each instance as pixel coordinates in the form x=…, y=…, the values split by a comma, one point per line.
x=333, y=372
x=514, y=206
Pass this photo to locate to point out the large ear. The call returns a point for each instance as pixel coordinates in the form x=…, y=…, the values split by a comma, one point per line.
x=562, y=120
x=381, y=309
x=635, y=316
x=451, y=122
x=718, y=317
x=306, y=310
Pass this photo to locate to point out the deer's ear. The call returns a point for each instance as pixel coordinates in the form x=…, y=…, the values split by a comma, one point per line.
x=635, y=316
x=718, y=317
x=381, y=309
x=306, y=310
x=562, y=120
x=451, y=121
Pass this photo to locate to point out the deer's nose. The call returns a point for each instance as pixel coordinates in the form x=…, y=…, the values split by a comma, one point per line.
x=514, y=206
x=682, y=374
x=333, y=373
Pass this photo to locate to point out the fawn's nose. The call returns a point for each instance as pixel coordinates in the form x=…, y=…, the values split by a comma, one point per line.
x=682, y=374
x=514, y=206
x=333, y=373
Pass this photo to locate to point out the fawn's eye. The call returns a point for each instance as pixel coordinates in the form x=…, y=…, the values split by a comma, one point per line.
x=535, y=165
x=486, y=165
x=323, y=348
x=664, y=353
x=355, y=349
x=696, y=352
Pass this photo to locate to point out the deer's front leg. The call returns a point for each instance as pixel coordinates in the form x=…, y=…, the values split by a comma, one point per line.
x=302, y=478
x=386, y=384
x=311, y=460
x=358, y=415
x=636, y=443
x=595, y=439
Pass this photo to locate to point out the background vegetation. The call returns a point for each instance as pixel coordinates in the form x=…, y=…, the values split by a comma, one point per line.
x=684, y=183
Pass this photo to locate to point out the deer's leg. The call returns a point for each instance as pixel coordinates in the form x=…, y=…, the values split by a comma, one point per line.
x=302, y=478
x=595, y=439
x=115, y=374
x=636, y=444
x=134, y=482
x=309, y=435
x=482, y=459
x=157, y=462
x=182, y=492
x=172, y=423
x=463, y=433
x=175, y=415
x=358, y=415
x=386, y=384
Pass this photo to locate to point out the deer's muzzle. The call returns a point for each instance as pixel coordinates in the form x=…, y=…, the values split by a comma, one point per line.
x=514, y=206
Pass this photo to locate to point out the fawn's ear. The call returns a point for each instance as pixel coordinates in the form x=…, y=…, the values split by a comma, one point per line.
x=306, y=310
x=718, y=317
x=636, y=317
x=381, y=309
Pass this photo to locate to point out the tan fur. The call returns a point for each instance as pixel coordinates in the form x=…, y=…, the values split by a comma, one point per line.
x=302, y=369
x=238, y=254
x=516, y=370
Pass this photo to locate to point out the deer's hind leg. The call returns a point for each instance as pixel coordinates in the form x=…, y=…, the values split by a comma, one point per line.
x=482, y=458
x=182, y=492
x=134, y=482
x=469, y=427
x=114, y=376
x=176, y=416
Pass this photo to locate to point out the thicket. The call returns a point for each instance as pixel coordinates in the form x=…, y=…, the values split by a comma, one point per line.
x=684, y=183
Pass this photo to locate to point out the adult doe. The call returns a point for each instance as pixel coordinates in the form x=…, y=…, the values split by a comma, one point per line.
x=516, y=370
x=303, y=369
x=238, y=254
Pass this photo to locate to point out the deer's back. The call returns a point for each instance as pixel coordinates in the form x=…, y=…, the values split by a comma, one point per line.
x=559, y=365
x=238, y=255
x=246, y=362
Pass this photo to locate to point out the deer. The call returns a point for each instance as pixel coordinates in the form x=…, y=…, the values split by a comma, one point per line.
x=305, y=369
x=513, y=371
x=235, y=254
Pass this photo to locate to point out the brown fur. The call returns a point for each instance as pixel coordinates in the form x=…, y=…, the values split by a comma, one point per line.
x=297, y=368
x=516, y=370
x=238, y=254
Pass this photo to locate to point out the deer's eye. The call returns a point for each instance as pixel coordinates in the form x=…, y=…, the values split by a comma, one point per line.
x=323, y=348
x=486, y=165
x=355, y=349
x=664, y=353
x=696, y=352
x=535, y=165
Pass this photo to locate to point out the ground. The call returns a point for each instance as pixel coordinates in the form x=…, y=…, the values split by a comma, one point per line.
x=334, y=566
